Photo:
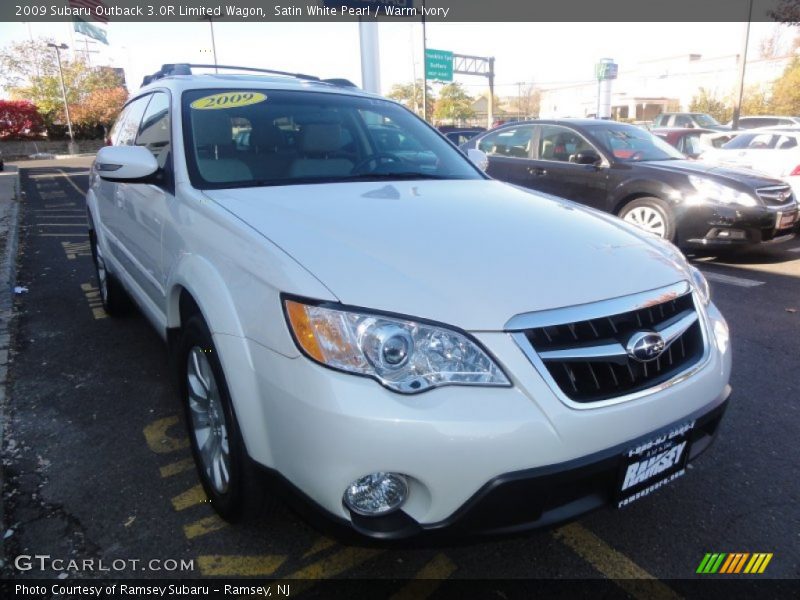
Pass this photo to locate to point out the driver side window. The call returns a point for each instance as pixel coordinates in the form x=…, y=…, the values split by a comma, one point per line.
x=561, y=144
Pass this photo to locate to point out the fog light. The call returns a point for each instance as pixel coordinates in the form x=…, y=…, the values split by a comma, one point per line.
x=376, y=494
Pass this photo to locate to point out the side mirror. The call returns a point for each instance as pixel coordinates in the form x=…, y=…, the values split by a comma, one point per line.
x=478, y=158
x=588, y=157
x=133, y=164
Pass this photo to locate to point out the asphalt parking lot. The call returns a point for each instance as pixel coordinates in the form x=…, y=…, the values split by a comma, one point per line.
x=97, y=464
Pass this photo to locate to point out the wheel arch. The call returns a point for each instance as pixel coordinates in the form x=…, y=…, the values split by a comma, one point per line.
x=624, y=201
x=197, y=287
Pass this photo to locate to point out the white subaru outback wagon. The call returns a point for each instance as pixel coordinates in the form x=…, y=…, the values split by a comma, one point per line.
x=403, y=344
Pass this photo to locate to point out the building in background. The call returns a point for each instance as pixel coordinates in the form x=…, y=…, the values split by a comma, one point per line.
x=666, y=84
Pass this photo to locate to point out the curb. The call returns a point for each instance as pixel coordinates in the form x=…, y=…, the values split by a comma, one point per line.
x=8, y=272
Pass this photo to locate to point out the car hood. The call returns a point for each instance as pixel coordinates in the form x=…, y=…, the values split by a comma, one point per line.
x=750, y=178
x=468, y=253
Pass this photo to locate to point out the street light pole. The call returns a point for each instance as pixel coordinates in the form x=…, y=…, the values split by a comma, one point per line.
x=424, y=65
x=58, y=49
x=213, y=44
x=737, y=107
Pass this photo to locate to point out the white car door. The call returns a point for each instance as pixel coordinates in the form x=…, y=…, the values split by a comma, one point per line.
x=147, y=204
x=110, y=195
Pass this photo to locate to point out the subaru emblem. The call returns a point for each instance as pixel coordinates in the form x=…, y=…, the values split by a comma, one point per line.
x=645, y=346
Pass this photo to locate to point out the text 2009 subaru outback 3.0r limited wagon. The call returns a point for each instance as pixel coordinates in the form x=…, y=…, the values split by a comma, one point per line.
x=354, y=308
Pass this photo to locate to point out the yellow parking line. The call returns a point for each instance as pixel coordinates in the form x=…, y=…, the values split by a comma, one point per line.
x=203, y=526
x=239, y=566
x=347, y=558
x=344, y=560
x=159, y=441
x=189, y=498
x=320, y=545
x=179, y=466
x=427, y=579
x=613, y=564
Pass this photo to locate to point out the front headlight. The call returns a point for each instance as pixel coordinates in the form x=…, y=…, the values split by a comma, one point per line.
x=700, y=285
x=405, y=356
x=717, y=192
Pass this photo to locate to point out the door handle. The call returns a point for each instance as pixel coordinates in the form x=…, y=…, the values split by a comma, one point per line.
x=538, y=171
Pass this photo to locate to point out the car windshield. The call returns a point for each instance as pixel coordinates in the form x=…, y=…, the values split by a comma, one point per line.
x=246, y=138
x=632, y=144
x=705, y=120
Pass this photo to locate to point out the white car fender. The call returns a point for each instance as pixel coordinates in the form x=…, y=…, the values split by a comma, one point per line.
x=210, y=292
x=207, y=287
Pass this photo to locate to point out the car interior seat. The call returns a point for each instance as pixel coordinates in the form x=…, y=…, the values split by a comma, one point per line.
x=215, y=148
x=270, y=155
x=320, y=144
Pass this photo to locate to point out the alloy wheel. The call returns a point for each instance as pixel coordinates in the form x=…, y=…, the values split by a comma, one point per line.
x=208, y=421
x=649, y=219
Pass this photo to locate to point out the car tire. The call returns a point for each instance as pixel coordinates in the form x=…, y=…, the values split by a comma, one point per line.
x=652, y=215
x=116, y=301
x=233, y=485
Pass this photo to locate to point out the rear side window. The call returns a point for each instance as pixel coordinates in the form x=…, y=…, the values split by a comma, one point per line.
x=514, y=142
x=125, y=135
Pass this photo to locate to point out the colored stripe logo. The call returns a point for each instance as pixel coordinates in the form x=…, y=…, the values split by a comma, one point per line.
x=733, y=563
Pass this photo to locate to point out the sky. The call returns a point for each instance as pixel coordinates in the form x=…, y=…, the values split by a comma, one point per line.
x=542, y=53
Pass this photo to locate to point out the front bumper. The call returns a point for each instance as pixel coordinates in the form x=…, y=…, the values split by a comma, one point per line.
x=318, y=430
x=535, y=498
x=718, y=226
x=511, y=503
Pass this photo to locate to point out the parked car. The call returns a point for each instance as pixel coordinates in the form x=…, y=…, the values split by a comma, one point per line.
x=451, y=128
x=404, y=346
x=688, y=120
x=462, y=136
x=692, y=142
x=626, y=171
x=775, y=152
x=766, y=121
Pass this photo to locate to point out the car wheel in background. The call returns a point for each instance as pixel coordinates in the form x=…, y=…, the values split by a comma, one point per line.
x=652, y=215
x=116, y=301
x=231, y=482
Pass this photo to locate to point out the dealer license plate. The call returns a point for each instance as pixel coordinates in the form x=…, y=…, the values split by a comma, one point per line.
x=653, y=464
x=786, y=220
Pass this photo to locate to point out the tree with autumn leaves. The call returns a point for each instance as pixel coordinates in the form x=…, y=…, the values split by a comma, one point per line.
x=19, y=119
x=29, y=71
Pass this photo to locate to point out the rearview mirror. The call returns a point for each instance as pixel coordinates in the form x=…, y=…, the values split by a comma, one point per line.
x=587, y=157
x=133, y=164
x=478, y=158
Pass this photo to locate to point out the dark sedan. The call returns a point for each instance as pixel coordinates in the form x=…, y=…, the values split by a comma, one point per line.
x=627, y=171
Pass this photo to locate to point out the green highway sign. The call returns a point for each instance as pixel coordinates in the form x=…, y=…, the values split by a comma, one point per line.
x=439, y=65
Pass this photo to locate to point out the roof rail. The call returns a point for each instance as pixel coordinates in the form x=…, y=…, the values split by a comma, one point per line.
x=186, y=69
x=340, y=82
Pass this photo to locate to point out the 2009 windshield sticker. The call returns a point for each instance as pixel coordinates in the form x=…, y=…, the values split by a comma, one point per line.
x=227, y=100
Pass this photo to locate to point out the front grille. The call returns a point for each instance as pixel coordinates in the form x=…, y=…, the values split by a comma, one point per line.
x=776, y=195
x=588, y=359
